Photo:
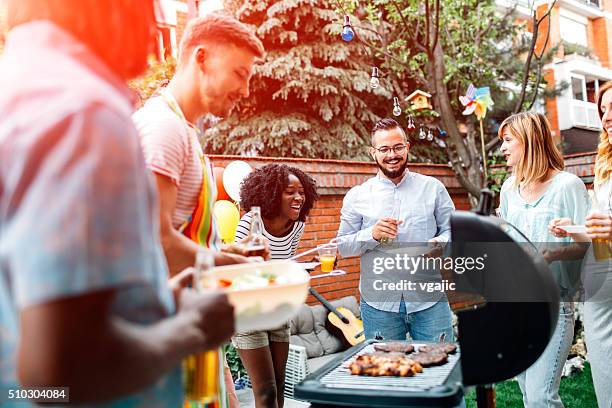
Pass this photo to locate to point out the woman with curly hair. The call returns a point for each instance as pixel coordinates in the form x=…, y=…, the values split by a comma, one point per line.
x=285, y=195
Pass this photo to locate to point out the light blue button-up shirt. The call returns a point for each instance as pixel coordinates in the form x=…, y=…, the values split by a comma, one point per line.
x=420, y=201
x=566, y=196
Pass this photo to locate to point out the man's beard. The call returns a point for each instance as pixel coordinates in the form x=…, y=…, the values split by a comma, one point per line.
x=393, y=174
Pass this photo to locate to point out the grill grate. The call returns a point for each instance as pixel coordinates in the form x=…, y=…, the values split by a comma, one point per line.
x=340, y=377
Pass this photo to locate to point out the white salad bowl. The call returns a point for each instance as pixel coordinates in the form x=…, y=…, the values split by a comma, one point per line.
x=265, y=308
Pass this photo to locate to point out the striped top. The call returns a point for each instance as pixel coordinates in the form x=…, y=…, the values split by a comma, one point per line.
x=280, y=247
x=171, y=149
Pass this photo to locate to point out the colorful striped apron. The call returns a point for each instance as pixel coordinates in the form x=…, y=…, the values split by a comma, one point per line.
x=201, y=227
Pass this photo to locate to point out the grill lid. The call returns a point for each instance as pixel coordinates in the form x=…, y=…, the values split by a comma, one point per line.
x=508, y=334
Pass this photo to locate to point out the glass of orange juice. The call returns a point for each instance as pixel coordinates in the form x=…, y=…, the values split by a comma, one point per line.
x=327, y=256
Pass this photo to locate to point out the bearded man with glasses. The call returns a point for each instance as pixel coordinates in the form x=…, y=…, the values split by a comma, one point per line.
x=410, y=210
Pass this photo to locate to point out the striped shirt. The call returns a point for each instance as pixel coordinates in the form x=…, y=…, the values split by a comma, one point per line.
x=171, y=148
x=280, y=247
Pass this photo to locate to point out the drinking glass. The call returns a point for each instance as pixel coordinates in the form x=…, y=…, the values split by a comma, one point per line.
x=327, y=256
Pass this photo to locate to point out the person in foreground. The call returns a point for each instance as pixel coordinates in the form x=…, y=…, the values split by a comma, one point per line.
x=285, y=196
x=538, y=192
x=84, y=296
x=597, y=273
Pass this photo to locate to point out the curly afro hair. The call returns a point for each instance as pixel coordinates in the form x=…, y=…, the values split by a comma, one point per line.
x=264, y=188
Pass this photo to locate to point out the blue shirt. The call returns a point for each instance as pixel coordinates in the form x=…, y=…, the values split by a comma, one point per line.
x=566, y=196
x=420, y=201
x=78, y=209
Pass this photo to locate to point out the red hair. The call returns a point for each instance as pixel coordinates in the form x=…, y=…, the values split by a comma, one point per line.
x=120, y=32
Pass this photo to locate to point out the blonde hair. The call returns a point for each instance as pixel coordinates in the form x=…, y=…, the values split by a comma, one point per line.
x=218, y=28
x=603, y=162
x=540, y=154
x=120, y=32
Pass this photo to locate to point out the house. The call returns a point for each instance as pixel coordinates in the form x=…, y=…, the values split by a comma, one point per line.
x=419, y=100
x=582, y=31
x=172, y=17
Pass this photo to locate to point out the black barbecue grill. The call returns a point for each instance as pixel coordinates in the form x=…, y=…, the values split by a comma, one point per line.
x=334, y=384
x=497, y=340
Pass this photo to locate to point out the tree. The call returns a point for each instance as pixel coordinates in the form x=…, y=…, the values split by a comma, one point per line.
x=442, y=48
x=311, y=96
x=158, y=75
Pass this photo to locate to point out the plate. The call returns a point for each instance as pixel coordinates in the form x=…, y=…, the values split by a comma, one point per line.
x=309, y=265
x=573, y=229
x=271, y=306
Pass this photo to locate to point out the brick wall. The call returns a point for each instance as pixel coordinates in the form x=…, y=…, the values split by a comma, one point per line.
x=552, y=112
x=599, y=30
x=334, y=178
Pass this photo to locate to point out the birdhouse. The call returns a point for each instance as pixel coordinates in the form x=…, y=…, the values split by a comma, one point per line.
x=419, y=100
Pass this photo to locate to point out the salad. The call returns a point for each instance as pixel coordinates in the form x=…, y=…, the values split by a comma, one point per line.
x=251, y=280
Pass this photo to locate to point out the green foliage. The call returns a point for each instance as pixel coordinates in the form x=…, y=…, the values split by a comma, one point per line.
x=480, y=46
x=234, y=362
x=571, y=48
x=310, y=97
x=158, y=74
x=576, y=391
x=497, y=172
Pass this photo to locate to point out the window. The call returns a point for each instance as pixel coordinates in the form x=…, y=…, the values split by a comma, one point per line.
x=592, y=88
x=578, y=88
x=573, y=31
x=165, y=42
x=583, y=107
x=585, y=89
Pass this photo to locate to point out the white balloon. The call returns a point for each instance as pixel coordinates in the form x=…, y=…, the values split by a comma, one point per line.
x=233, y=175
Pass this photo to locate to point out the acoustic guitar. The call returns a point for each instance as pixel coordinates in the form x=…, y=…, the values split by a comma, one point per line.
x=342, y=318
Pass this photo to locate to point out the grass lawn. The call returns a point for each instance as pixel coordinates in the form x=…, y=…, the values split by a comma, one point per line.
x=576, y=392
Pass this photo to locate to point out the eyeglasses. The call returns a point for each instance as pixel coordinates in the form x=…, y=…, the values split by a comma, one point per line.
x=397, y=149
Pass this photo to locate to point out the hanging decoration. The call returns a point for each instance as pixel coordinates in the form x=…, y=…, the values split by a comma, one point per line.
x=397, y=110
x=422, y=134
x=430, y=135
x=478, y=101
x=419, y=100
x=441, y=143
x=347, y=30
x=441, y=132
x=374, y=81
x=411, y=126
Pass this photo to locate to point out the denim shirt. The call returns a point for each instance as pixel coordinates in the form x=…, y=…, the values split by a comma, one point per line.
x=420, y=201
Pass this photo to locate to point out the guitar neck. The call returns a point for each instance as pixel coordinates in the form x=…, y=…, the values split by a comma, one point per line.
x=327, y=305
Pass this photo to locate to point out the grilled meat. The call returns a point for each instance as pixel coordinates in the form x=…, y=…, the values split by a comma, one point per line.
x=389, y=364
x=431, y=358
x=448, y=348
x=395, y=347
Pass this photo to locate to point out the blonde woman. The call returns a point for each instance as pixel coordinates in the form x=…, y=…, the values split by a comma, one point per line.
x=598, y=273
x=538, y=192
